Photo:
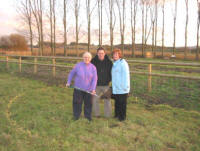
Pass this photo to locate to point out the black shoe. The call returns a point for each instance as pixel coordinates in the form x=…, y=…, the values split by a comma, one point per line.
x=115, y=116
x=75, y=118
x=89, y=119
x=121, y=120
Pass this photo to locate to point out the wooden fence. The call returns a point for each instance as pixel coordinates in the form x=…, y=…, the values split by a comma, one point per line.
x=18, y=60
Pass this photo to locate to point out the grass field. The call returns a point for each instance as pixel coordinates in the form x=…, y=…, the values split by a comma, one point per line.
x=38, y=117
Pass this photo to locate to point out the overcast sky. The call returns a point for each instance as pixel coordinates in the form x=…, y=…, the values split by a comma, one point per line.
x=9, y=22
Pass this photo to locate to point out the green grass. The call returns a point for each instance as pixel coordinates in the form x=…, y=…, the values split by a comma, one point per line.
x=175, y=92
x=172, y=91
x=36, y=116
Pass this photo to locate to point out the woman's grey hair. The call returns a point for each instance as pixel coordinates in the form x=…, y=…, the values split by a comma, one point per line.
x=87, y=54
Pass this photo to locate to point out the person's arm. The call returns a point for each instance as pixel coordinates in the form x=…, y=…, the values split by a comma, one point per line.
x=71, y=75
x=94, y=80
x=125, y=76
x=110, y=70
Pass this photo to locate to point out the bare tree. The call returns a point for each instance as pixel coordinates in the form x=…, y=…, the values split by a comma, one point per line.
x=147, y=31
x=198, y=25
x=145, y=26
x=18, y=42
x=54, y=26
x=51, y=25
x=100, y=14
x=89, y=14
x=134, y=6
x=186, y=29
x=35, y=10
x=52, y=20
x=41, y=25
x=13, y=42
x=153, y=19
x=112, y=20
x=76, y=6
x=36, y=7
x=122, y=18
x=142, y=7
x=156, y=23
x=5, y=42
x=88, y=21
x=65, y=26
x=163, y=26
x=174, y=17
x=26, y=13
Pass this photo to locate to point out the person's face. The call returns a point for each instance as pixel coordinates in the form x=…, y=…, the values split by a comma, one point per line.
x=101, y=54
x=86, y=59
x=115, y=56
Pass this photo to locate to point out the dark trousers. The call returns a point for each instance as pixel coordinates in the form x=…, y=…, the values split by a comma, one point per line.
x=120, y=106
x=78, y=98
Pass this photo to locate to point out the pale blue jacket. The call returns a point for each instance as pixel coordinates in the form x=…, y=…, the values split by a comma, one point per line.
x=120, y=77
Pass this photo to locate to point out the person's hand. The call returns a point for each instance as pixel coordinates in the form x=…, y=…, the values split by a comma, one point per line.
x=93, y=92
x=67, y=85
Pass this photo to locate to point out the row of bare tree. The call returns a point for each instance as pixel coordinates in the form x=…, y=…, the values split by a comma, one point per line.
x=39, y=14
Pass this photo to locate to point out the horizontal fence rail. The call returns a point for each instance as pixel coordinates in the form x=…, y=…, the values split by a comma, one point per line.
x=165, y=63
x=149, y=73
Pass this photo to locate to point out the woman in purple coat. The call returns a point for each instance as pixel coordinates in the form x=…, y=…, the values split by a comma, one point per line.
x=85, y=80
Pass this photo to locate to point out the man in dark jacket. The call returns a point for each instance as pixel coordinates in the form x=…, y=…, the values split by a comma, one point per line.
x=103, y=65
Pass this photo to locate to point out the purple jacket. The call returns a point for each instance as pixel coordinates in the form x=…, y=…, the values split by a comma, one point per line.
x=85, y=76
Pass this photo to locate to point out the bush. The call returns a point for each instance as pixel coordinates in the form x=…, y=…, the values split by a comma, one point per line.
x=13, y=42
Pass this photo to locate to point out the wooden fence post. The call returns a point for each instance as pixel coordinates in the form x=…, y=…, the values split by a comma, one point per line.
x=7, y=66
x=149, y=77
x=54, y=67
x=35, y=65
x=20, y=64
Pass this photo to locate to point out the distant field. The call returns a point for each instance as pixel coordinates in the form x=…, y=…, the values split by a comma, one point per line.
x=127, y=52
x=37, y=116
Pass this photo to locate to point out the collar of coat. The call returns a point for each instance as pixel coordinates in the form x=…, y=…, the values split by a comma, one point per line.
x=105, y=58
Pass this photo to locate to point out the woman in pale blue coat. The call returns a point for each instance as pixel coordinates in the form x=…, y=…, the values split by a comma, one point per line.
x=120, y=84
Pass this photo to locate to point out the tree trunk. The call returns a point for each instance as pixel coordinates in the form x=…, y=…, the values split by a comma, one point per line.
x=186, y=30
x=41, y=27
x=197, y=49
x=111, y=24
x=163, y=27
x=65, y=29
x=35, y=10
x=89, y=21
x=142, y=29
x=122, y=21
x=76, y=13
x=54, y=28
x=51, y=27
x=198, y=26
x=156, y=24
x=175, y=14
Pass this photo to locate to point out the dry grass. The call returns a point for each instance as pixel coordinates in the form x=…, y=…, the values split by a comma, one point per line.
x=12, y=52
x=127, y=53
x=72, y=52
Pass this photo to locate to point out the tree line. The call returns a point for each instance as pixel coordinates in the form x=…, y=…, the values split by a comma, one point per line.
x=52, y=15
